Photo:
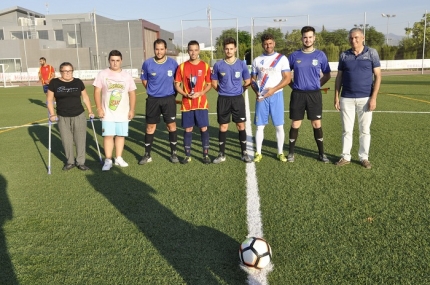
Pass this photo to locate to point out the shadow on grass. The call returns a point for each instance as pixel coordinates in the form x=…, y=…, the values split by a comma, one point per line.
x=7, y=273
x=161, y=144
x=37, y=102
x=199, y=254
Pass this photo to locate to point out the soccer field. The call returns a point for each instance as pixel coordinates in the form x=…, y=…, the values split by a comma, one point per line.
x=164, y=223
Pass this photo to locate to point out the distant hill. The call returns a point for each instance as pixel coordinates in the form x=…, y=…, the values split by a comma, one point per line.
x=202, y=34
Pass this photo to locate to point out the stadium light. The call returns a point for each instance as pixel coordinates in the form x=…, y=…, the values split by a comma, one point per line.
x=388, y=16
x=276, y=17
x=279, y=21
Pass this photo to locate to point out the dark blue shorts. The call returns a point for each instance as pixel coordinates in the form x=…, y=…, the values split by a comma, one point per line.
x=45, y=88
x=199, y=118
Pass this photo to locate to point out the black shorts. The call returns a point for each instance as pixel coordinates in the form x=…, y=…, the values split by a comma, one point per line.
x=309, y=101
x=230, y=105
x=156, y=106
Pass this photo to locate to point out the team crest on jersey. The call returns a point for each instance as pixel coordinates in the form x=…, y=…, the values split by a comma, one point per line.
x=237, y=74
x=199, y=72
x=315, y=62
x=170, y=73
x=223, y=73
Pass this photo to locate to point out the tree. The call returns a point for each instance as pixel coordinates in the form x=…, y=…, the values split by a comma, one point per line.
x=373, y=37
x=293, y=41
x=244, y=43
x=277, y=35
x=418, y=33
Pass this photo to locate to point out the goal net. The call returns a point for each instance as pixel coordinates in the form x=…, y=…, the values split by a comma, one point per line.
x=5, y=80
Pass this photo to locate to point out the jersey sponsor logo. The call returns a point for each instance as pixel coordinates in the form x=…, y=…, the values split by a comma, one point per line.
x=237, y=74
x=315, y=62
x=169, y=73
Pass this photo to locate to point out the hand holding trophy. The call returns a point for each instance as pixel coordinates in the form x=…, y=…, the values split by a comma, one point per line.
x=193, y=80
x=257, y=85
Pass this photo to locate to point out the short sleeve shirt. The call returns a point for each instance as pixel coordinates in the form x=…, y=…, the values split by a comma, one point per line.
x=115, y=99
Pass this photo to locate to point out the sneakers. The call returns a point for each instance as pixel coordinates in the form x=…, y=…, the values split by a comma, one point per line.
x=68, y=166
x=246, y=158
x=108, y=165
x=82, y=167
x=120, y=161
x=145, y=159
x=366, y=164
x=342, y=162
x=219, y=159
x=186, y=160
x=290, y=157
x=174, y=158
x=323, y=158
x=258, y=157
x=282, y=157
x=206, y=160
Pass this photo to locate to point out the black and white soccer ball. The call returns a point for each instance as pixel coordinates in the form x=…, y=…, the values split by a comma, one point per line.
x=255, y=252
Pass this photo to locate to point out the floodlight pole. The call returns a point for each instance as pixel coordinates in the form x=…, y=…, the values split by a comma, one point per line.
x=129, y=48
x=424, y=42
x=388, y=21
x=77, y=51
x=25, y=53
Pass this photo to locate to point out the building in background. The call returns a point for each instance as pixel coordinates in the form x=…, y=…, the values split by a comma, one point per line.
x=83, y=39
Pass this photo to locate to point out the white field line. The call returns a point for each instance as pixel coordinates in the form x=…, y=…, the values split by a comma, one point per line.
x=325, y=111
x=255, y=224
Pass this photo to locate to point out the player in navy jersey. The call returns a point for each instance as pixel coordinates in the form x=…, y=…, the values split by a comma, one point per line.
x=158, y=74
x=230, y=78
x=271, y=72
x=308, y=64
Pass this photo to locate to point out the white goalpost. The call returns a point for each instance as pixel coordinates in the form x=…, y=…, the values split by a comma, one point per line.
x=4, y=78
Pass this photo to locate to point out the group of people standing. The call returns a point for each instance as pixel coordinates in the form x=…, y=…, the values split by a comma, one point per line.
x=356, y=88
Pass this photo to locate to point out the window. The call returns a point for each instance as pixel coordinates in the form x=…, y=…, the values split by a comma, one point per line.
x=43, y=35
x=59, y=35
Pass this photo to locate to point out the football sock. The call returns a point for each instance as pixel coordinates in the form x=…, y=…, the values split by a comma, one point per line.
x=173, y=139
x=205, y=141
x=280, y=137
x=318, y=135
x=242, y=140
x=188, y=136
x=222, y=137
x=294, y=133
x=259, y=137
x=149, y=139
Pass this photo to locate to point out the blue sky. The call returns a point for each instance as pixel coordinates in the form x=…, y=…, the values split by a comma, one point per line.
x=333, y=14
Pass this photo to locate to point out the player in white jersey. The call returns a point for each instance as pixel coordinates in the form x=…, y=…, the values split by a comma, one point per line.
x=271, y=73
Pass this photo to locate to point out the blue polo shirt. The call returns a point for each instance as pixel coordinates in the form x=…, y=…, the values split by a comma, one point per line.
x=307, y=67
x=357, y=72
x=160, y=77
x=230, y=77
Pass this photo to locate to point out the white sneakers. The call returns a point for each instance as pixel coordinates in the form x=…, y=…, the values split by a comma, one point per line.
x=118, y=161
x=108, y=164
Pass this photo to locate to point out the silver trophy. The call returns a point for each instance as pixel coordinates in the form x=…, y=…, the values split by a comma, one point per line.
x=193, y=80
x=257, y=85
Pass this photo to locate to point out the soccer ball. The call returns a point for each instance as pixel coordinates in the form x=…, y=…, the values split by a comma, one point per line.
x=255, y=252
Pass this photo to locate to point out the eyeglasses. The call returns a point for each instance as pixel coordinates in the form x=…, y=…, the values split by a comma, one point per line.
x=66, y=71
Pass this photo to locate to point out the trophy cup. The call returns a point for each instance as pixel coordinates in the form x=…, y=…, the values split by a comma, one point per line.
x=193, y=80
x=257, y=85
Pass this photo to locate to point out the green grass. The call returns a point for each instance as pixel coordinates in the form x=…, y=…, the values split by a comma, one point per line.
x=182, y=224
